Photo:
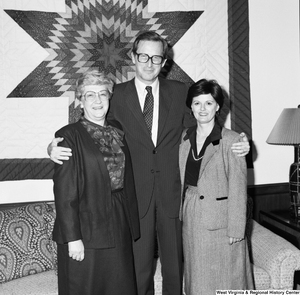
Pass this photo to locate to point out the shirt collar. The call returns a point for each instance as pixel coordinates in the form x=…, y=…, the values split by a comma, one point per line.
x=214, y=136
x=141, y=87
x=216, y=133
x=115, y=132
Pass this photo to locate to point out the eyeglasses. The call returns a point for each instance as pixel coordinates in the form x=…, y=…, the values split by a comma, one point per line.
x=155, y=59
x=91, y=96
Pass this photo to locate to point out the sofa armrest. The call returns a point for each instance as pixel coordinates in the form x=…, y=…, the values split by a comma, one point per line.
x=278, y=257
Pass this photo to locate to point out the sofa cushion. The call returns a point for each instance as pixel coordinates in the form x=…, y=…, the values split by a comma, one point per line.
x=44, y=283
x=25, y=245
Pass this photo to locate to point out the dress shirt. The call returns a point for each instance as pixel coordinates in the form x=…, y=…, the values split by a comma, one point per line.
x=193, y=166
x=142, y=92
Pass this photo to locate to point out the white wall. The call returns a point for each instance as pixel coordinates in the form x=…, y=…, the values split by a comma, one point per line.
x=274, y=81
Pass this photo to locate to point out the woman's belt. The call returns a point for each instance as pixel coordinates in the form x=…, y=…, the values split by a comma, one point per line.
x=117, y=190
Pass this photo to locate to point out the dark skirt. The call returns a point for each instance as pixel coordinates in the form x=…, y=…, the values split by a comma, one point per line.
x=103, y=271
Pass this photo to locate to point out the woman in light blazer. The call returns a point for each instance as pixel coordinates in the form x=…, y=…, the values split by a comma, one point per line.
x=213, y=210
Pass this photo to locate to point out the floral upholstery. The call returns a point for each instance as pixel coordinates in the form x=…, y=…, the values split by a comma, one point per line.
x=25, y=244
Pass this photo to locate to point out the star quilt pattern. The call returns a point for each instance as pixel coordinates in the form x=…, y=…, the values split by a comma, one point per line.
x=99, y=34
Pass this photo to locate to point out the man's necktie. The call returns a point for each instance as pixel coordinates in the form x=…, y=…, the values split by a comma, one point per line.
x=148, y=108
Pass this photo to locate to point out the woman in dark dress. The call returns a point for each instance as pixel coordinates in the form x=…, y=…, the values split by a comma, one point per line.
x=97, y=215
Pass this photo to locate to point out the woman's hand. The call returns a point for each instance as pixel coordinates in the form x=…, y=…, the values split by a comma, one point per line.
x=242, y=147
x=76, y=250
x=234, y=240
x=58, y=153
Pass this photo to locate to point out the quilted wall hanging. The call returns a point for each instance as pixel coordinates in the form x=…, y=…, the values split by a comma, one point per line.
x=207, y=39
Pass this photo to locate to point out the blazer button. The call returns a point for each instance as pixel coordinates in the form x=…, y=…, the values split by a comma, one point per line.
x=154, y=152
x=201, y=197
x=152, y=171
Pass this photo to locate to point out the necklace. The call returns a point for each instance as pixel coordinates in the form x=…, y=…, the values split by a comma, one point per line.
x=196, y=159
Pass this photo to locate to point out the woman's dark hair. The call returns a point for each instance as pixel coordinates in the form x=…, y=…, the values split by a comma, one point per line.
x=150, y=36
x=204, y=86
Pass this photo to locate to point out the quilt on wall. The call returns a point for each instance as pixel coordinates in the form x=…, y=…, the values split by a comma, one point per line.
x=208, y=39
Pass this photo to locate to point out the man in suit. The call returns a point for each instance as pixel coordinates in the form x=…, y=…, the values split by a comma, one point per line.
x=153, y=131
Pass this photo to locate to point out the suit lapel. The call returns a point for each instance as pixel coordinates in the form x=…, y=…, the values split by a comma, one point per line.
x=132, y=100
x=184, y=150
x=209, y=152
x=165, y=101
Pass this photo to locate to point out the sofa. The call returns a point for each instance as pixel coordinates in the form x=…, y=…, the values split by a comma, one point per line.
x=274, y=259
x=28, y=254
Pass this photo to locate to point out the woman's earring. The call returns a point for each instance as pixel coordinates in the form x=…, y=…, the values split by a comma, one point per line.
x=81, y=109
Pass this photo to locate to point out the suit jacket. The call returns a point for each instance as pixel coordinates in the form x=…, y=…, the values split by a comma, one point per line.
x=82, y=193
x=153, y=165
x=222, y=183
